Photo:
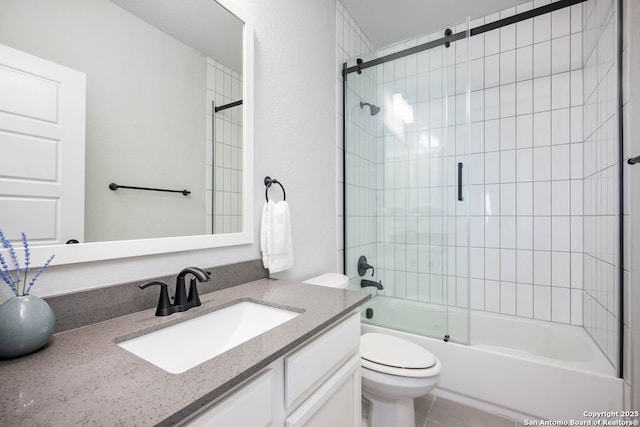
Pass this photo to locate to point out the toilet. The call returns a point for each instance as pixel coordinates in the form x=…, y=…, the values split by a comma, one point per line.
x=394, y=370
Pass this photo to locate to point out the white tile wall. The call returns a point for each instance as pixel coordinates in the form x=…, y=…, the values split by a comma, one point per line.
x=224, y=86
x=361, y=152
x=526, y=178
x=600, y=154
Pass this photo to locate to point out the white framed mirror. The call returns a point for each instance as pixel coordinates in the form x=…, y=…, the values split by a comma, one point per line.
x=142, y=150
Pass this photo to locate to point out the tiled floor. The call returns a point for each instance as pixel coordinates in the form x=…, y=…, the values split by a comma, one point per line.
x=433, y=411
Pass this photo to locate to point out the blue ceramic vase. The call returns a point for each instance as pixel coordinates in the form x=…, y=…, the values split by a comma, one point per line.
x=26, y=324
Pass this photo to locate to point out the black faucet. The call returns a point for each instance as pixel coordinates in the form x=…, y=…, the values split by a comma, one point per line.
x=364, y=283
x=181, y=302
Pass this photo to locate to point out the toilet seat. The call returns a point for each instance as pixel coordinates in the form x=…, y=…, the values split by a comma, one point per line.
x=395, y=356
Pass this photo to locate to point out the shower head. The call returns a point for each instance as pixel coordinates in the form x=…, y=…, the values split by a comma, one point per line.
x=374, y=108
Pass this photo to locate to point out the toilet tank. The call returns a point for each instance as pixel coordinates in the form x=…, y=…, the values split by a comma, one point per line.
x=331, y=280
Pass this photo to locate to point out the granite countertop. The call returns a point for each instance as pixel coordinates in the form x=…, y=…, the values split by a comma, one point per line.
x=84, y=377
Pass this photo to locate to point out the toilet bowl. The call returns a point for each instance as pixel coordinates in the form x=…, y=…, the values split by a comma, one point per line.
x=394, y=371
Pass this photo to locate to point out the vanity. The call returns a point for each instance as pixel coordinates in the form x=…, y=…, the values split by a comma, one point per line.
x=302, y=372
x=316, y=384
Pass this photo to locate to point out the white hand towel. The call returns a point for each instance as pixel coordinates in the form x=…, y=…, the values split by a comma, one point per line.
x=264, y=229
x=275, y=237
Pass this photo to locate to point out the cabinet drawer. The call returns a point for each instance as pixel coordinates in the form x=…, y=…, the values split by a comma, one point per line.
x=251, y=405
x=316, y=361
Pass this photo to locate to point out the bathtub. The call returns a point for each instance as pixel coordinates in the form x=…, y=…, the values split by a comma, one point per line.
x=521, y=368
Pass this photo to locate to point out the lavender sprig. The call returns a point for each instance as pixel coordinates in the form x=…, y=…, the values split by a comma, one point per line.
x=27, y=260
x=33, y=280
x=7, y=245
x=6, y=274
x=6, y=277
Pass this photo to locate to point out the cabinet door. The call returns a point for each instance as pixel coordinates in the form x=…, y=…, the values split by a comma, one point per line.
x=251, y=405
x=312, y=364
x=337, y=403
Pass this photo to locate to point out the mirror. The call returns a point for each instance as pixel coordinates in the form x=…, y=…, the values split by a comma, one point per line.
x=155, y=71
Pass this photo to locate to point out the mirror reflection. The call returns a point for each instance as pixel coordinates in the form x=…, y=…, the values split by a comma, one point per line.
x=147, y=75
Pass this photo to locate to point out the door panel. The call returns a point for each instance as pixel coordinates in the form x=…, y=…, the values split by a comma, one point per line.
x=42, y=138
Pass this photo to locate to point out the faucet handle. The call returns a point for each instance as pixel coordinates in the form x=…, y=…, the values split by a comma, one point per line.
x=363, y=266
x=193, y=299
x=164, y=306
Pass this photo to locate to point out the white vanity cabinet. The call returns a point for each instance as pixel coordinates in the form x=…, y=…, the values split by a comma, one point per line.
x=250, y=405
x=335, y=403
x=316, y=384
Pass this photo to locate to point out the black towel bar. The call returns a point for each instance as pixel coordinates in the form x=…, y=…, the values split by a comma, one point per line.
x=114, y=187
x=224, y=107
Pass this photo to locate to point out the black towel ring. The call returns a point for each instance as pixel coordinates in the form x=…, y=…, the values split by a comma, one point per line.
x=268, y=181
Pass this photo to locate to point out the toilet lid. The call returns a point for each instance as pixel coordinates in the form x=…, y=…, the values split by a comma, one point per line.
x=395, y=352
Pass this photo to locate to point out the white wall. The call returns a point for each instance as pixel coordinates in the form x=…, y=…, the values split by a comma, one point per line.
x=294, y=142
x=295, y=122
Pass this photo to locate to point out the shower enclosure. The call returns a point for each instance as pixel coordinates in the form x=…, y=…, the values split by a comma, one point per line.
x=480, y=170
x=407, y=211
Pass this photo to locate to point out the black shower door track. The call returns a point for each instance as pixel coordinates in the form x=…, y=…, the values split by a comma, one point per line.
x=542, y=10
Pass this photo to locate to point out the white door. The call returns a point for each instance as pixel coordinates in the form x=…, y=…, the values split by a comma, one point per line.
x=42, y=138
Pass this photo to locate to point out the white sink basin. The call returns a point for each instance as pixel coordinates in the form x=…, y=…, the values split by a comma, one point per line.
x=180, y=347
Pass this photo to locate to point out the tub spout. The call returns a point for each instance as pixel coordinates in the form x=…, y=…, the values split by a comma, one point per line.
x=364, y=283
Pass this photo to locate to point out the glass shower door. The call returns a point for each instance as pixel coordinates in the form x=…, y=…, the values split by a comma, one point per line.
x=458, y=111
x=405, y=134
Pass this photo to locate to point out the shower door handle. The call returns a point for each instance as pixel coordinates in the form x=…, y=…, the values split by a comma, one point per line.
x=460, y=182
